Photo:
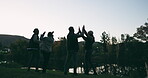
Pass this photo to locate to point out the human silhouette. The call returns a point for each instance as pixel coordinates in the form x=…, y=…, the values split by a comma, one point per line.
x=72, y=50
x=89, y=40
x=34, y=50
x=46, y=48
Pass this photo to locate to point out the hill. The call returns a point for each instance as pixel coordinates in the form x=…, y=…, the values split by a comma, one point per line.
x=6, y=40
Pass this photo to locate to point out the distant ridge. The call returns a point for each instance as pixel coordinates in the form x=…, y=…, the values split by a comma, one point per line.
x=6, y=40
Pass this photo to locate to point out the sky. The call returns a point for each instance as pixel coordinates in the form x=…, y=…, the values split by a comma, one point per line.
x=116, y=17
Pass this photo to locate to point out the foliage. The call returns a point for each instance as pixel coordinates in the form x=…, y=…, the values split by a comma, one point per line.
x=114, y=40
x=10, y=65
x=105, y=40
x=19, y=52
x=59, y=54
x=131, y=56
x=142, y=32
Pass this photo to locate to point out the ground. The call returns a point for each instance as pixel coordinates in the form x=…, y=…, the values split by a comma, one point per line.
x=23, y=73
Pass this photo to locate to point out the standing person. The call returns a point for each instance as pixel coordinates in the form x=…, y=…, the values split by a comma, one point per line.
x=46, y=48
x=89, y=40
x=34, y=50
x=72, y=50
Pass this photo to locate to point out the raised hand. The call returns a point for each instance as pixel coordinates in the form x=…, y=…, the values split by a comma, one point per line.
x=84, y=31
x=79, y=30
x=42, y=35
x=83, y=27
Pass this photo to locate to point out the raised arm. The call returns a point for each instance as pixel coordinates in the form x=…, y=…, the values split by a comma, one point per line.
x=79, y=34
x=79, y=31
x=84, y=31
x=42, y=36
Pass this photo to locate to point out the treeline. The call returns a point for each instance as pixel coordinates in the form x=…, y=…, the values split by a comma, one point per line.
x=110, y=56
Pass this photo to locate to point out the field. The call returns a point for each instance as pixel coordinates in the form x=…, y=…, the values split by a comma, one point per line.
x=23, y=73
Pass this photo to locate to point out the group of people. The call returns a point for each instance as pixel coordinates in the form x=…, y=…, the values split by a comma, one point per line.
x=40, y=45
x=44, y=45
x=73, y=47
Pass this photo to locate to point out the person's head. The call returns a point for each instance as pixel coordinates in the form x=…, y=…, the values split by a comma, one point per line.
x=71, y=29
x=36, y=31
x=50, y=34
x=90, y=33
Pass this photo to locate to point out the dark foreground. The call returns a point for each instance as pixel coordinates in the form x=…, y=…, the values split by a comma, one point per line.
x=22, y=73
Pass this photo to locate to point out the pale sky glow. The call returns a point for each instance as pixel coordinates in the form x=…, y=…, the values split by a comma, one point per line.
x=116, y=17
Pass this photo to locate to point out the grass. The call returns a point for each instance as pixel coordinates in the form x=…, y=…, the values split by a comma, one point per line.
x=23, y=73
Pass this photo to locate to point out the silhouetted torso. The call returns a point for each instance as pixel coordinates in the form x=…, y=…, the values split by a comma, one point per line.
x=34, y=41
x=72, y=42
x=89, y=42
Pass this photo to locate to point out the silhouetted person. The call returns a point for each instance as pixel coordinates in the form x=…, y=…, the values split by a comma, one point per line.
x=34, y=50
x=46, y=48
x=89, y=40
x=72, y=50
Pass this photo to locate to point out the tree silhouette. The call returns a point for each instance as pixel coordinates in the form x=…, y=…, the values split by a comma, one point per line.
x=142, y=32
x=114, y=40
x=59, y=54
x=105, y=40
x=19, y=52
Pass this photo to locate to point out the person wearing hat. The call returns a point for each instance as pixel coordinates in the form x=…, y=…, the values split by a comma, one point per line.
x=34, y=49
x=46, y=48
x=89, y=40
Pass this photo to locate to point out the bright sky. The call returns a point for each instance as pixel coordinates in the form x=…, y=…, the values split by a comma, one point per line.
x=116, y=17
